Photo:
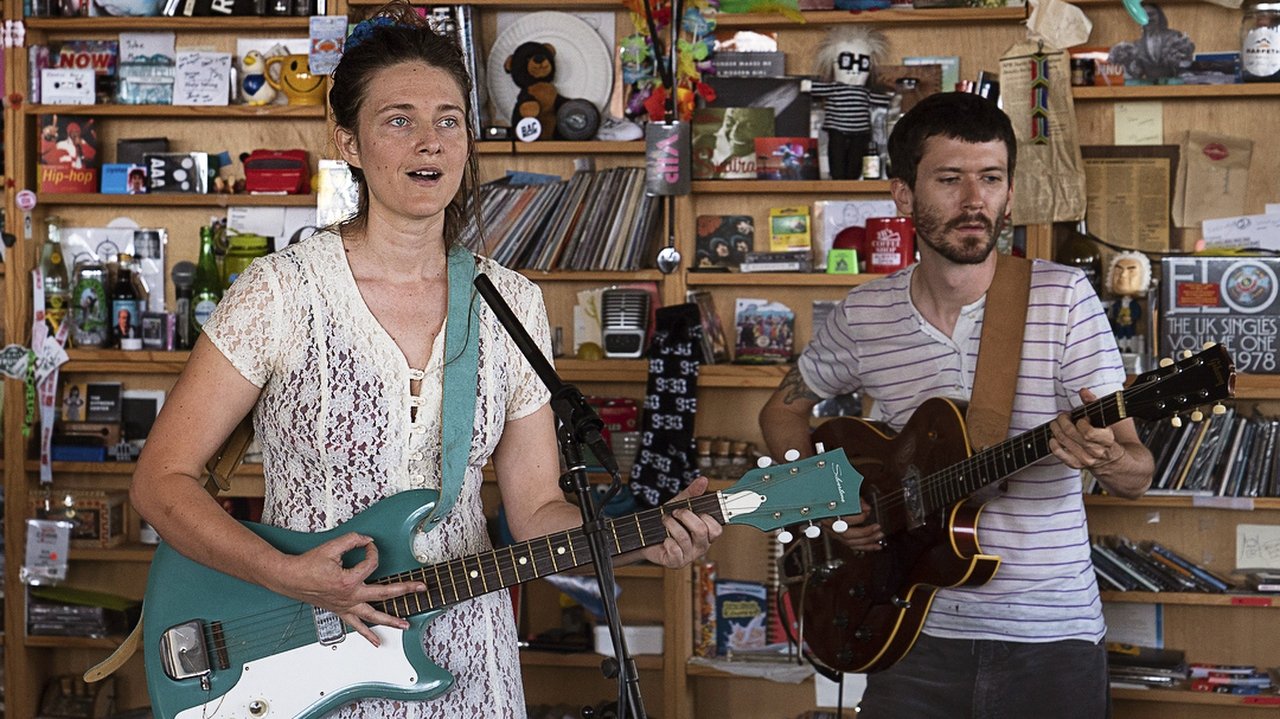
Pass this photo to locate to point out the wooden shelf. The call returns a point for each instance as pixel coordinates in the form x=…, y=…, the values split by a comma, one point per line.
x=716, y=375
x=532, y=658
x=559, y=147
x=540, y=276
x=231, y=25
x=74, y=642
x=120, y=361
x=123, y=553
x=176, y=199
x=937, y=16
x=790, y=187
x=1176, y=92
x=219, y=112
x=1257, y=386
x=1184, y=696
x=775, y=279
x=1199, y=599
x=1166, y=501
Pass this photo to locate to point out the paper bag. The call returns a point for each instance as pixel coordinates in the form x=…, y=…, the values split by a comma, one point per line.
x=1049, y=181
x=1213, y=177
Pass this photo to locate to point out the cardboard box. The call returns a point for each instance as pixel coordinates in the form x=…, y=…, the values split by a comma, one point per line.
x=741, y=615
x=1234, y=301
x=99, y=516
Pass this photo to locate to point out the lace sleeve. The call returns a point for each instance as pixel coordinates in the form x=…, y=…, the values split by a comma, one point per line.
x=528, y=393
x=244, y=327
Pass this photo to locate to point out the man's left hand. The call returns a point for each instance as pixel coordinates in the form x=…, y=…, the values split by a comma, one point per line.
x=1080, y=445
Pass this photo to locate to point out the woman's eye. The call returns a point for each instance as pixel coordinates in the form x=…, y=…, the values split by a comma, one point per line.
x=449, y=122
x=399, y=121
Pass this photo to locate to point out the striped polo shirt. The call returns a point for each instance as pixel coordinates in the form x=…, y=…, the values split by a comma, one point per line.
x=877, y=342
x=847, y=108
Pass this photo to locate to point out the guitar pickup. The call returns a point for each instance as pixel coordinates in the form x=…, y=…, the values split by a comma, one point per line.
x=184, y=652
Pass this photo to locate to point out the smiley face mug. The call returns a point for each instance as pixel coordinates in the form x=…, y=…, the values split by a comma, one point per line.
x=294, y=78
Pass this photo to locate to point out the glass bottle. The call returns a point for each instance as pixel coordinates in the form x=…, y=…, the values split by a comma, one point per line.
x=126, y=306
x=57, y=280
x=871, y=161
x=206, y=291
x=1078, y=249
x=1260, y=42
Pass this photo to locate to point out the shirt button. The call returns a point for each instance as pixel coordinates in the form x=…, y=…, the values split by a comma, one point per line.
x=415, y=456
x=417, y=478
x=417, y=428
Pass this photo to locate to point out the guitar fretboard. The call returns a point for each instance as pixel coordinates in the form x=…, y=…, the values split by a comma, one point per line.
x=460, y=579
x=962, y=479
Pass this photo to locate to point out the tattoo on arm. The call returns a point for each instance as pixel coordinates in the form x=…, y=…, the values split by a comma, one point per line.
x=795, y=389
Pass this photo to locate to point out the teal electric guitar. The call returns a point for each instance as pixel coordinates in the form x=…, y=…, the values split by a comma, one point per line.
x=217, y=647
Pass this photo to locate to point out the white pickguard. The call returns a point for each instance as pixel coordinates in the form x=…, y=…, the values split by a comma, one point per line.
x=286, y=684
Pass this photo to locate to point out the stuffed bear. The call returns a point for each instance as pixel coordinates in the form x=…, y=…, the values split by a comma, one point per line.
x=533, y=68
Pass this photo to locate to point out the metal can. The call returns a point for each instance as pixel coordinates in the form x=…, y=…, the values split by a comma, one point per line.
x=890, y=243
x=1260, y=42
x=90, y=305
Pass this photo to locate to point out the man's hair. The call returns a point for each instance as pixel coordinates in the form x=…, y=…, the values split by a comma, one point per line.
x=957, y=115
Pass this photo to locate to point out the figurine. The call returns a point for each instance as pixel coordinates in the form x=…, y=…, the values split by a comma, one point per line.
x=1128, y=278
x=1160, y=54
x=845, y=61
x=254, y=88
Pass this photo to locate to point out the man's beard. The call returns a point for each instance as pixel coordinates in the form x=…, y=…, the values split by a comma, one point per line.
x=931, y=229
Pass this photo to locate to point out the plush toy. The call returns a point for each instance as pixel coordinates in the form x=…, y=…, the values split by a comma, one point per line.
x=254, y=88
x=845, y=61
x=533, y=66
x=1128, y=278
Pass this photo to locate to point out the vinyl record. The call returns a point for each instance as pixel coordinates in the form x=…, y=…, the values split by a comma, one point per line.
x=584, y=64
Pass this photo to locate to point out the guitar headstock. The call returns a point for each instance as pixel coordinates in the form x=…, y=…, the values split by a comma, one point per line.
x=819, y=487
x=1183, y=385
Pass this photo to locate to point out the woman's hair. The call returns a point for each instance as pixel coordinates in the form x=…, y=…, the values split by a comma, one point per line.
x=956, y=115
x=858, y=39
x=396, y=33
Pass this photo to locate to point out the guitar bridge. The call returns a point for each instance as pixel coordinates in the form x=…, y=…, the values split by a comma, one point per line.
x=183, y=651
x=329, y=629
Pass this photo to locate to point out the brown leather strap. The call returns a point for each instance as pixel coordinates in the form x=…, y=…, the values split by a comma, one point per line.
x=220, y=467
x=999, y=352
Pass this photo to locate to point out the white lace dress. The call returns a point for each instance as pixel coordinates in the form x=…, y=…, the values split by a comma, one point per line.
x=337, y=435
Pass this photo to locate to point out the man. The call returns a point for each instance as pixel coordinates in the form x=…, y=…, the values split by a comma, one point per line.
x=1028, y=643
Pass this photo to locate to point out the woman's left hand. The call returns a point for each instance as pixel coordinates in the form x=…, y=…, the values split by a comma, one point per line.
x=688, y=534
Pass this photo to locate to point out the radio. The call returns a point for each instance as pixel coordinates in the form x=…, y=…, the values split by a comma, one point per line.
x=625, y=321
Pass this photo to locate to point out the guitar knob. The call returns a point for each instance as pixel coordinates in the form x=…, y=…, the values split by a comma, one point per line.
x=812, y=531
x=839, y=526
x=841, y=620
x=844, y=656
x=900, y=603
x=764, y=462
x=785, y=537
x=791, y=455
x=858, y=591
x=862, y=634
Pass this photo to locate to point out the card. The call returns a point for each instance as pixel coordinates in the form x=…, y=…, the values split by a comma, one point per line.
x=202, y=78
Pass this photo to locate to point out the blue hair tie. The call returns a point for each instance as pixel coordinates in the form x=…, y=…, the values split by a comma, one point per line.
x=364, y=30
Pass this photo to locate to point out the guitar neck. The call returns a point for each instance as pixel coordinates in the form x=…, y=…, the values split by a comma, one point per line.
x=461, y=579
x=963, y=479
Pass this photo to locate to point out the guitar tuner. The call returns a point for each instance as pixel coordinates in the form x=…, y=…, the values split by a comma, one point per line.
x=791, y=455
x=1197, y=415
x=764, y=462
x=1219, y=408
x=839, y=526
x=1176, y=421
x=1166, y=362
x=785, y=537
x=812, y=531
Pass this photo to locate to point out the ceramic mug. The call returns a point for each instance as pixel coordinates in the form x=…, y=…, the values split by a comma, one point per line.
x=295, y=79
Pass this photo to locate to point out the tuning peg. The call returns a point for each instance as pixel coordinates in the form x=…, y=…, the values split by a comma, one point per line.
x=1209, y=345
x=764, y=462
x=1196, y=415
x=791, y=455
x=819, y=447
x=1165, y=362
x=1176, y=421
x=785, y=537
x=839, y=526
x=1219, y=408
x=812, y=531
x=1186, y=354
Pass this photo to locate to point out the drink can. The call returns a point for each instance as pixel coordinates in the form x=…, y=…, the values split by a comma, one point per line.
x=90, y=305
x=890, y=244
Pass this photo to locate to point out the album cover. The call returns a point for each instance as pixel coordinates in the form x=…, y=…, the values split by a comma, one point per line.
x=69, y=158
x=715, y=347
x=787, y=158
x=781, y=95
x=724, y=141
x=723, y=240
x=766, y=332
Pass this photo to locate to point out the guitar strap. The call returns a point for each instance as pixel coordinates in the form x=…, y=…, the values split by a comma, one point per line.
x=996, y=377
x=461, y=374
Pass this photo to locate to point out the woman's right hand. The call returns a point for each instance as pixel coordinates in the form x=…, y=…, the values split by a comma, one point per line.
x=318, y=577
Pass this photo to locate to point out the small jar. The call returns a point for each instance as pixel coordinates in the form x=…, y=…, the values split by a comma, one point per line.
x=1260, y=42
x=242, y=249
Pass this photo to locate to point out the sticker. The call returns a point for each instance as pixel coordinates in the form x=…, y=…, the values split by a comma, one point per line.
x=48, y=541
x=26, y=200
x=13, y=362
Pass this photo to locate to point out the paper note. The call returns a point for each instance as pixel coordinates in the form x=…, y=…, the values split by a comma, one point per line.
x=202, y=78
x=146, y=46
x=1257, y=547
x=1139, y=123
x=1137, y=624
x=827, y=692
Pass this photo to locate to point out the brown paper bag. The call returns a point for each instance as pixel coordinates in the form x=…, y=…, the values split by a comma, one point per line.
x=1213, y=177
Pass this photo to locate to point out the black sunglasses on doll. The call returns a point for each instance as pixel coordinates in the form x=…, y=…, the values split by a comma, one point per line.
x=850, y=61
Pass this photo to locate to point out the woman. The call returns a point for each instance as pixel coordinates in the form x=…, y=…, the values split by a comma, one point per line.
x=337, y=346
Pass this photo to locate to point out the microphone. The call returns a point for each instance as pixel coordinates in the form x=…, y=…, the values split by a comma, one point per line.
x=184, y=277
x=666, y=158
x=567, y=402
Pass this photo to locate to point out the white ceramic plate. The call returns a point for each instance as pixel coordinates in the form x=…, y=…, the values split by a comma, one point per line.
x=584, y=65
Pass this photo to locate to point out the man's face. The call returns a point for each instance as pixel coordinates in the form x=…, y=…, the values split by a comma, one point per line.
x=852, y=68
x=961, y=195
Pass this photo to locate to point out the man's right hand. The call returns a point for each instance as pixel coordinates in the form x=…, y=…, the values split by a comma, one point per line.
x=317, y=577
x=860, y=537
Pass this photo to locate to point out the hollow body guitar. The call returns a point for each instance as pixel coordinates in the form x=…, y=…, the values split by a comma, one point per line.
x=862, y=611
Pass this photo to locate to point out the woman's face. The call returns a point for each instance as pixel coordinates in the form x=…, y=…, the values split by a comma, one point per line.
x=410, y=140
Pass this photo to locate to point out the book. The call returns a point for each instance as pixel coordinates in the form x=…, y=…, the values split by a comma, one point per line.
x=737, y=64
x=765, y=332
x=723, y=141
x=69, y=154
x=715, y=346
x=723, y=240
x=786, y=158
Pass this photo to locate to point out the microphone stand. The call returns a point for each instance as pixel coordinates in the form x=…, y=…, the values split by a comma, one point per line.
x=580, y=426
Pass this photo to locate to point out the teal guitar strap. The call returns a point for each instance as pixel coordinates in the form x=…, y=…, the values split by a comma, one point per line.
x=461, y=375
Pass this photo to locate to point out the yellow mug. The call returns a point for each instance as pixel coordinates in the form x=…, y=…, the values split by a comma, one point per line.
x=295, y=79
